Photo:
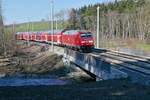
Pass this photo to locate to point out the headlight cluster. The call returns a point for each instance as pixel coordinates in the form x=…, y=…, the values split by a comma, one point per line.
x=90, y=41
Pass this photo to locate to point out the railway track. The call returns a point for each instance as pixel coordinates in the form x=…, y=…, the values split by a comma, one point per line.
x=132, y=63
x=141, y=58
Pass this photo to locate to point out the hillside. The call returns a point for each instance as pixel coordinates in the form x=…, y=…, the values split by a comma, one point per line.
x=34, y=26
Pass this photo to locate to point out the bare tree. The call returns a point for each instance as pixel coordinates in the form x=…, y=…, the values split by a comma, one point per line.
x=73, y=21
x=2, y=40
x=60, y=16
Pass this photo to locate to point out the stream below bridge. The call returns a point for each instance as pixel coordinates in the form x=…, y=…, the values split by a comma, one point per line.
x=31, y=79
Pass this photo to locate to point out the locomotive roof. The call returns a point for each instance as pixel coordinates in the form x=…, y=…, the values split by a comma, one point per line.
x=71, y=31
x=74, y=31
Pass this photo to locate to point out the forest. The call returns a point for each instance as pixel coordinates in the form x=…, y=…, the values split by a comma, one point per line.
x=124, y=20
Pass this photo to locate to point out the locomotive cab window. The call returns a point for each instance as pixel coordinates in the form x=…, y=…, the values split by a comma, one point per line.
x=86, y=35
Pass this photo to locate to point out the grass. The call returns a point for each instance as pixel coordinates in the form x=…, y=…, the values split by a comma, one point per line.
x=34, y=26
x=133, y=44
x=111, y=44
x=143, y=46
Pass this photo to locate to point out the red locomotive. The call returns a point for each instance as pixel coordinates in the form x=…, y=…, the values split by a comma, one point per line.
x=76, y=39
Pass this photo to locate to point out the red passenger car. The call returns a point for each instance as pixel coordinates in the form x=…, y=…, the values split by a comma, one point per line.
x=43, y=36
x=56, y=35
x=33, y=36
x=19, y=35
x=38, y=36
x=25, y=35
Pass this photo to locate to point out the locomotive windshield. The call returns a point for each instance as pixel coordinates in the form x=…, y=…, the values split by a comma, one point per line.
x=86, y=34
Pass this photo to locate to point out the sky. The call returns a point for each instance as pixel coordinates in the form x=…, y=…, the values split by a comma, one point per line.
x=19, y=11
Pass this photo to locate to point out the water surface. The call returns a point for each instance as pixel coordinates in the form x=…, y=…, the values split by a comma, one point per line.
x=30, y=79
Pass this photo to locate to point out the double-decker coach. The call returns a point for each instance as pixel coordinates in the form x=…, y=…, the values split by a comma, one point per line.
x=33, y=36
x=25, y=35
x=18, y=35
x=56, y=35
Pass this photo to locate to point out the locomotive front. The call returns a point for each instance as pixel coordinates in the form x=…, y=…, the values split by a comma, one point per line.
x=87, y=41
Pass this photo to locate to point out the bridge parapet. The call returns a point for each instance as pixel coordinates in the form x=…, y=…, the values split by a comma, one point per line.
x=95, y=65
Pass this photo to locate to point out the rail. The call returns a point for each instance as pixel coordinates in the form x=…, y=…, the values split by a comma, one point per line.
x=137, y=68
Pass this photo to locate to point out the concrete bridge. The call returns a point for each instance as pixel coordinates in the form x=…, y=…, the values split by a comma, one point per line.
x=94, y=65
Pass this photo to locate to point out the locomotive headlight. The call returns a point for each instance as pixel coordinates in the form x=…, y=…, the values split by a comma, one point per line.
x=90, y=41
x=83, y=41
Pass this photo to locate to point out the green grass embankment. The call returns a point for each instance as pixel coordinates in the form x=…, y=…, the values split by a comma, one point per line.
x=34, y=26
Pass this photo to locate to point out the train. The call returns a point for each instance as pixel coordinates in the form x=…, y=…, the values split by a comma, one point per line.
x=80, y=40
